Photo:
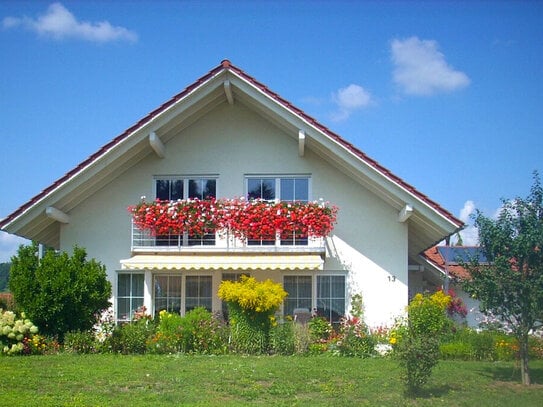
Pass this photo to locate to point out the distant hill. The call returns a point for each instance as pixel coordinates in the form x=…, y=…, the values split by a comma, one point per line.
x=4, y=276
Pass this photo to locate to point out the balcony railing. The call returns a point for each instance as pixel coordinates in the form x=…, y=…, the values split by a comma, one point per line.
x=143, y=241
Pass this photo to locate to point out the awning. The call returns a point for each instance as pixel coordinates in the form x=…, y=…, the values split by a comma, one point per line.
x=229, y=262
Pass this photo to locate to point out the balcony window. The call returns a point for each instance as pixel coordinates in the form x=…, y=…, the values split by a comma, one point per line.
x=171, y=189
x=286, y=189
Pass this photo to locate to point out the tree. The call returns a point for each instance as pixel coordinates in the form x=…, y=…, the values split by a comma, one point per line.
x=59, y=293
x=509, y=284
x=4, y=276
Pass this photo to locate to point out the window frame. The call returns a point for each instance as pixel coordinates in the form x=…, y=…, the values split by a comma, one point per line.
x=278, y=192
x=132, y=299
x=182, y=294
x=185, y=240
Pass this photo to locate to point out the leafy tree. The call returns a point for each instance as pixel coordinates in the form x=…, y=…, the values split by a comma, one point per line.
x=509, y=285
x=59, y=293
x=4, y=276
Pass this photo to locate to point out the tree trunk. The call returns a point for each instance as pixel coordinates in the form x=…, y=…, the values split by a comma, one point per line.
x=524, y=371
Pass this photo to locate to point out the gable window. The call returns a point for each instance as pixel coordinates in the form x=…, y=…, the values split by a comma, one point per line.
x=299, y=290
x=174, y=188
x=331, y=297
x=129, y=295
x=284, y=188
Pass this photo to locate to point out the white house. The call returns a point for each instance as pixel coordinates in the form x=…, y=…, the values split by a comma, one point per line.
x=229, y=136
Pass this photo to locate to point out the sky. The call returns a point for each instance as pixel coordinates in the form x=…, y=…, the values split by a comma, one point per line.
x=446, y=95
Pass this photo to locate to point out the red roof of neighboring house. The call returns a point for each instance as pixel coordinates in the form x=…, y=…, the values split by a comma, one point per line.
x=454, y=269
x=226, y=65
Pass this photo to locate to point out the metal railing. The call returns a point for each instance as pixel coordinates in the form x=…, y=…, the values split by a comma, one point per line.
x=143, y=241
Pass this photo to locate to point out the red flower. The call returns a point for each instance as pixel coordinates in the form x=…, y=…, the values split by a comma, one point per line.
x=255, y=219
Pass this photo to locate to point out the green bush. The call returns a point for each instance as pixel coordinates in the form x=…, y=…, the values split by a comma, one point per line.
x=417, y=342
x=132, y=337
x=418, y=354
x=59, y=293
x=283, y=338
x=320, y=329
x=80, y=342
x=196, y=332
x=15, y=332
x=249, y=331
x=201, y=332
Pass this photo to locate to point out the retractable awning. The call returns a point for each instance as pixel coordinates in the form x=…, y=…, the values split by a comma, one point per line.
x=229, y=262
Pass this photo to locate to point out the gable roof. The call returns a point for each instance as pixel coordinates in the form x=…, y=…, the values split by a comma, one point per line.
x=432, y=222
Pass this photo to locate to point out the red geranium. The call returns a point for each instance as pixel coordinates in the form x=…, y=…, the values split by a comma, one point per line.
x=255, y=219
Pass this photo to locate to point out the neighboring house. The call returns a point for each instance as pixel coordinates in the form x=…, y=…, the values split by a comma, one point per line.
x=228, y=135
x=446, y=261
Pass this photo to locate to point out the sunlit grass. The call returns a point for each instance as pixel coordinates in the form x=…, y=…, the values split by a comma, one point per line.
x=114, y=380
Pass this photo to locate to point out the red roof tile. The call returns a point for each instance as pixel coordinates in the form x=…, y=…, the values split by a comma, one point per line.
x=226, y=65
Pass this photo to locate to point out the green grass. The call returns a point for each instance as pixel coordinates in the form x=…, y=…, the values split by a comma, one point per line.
x=115, y=380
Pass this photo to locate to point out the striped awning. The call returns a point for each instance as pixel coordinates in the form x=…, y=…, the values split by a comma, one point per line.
x=228, y=262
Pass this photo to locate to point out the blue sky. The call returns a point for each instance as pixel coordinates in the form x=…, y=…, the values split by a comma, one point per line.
x=447, y=95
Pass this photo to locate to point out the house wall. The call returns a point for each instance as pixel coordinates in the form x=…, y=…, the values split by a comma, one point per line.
x=368, y=243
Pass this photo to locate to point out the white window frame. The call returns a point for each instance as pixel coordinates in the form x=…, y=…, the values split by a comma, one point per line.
x=185, y=240
x=132, y=298
x=183, y=288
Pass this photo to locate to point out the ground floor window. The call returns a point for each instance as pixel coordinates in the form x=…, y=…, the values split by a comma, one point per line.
x=167, y=293
x=331, y=297
x=129, y=295
x=198, y=292
x=299, y=289
x=181, y=293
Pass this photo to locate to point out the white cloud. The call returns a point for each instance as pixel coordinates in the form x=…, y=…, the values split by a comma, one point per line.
x=420, y=69
x=9, y=245
x=59, y=23
x=470, y=234
x=349, y=99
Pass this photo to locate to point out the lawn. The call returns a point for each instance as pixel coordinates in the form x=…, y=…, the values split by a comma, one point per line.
x=152, y=380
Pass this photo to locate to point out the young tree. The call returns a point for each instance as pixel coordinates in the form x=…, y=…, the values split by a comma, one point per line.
x=509, y=285
x=59, y=293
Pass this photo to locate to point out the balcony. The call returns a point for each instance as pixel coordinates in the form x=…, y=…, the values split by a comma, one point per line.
x=144, y=242
x=230, y=225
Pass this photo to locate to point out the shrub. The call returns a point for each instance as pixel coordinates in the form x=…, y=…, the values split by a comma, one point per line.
x=196, y=332
x=283, y=338
x=14, y=333
x=251, y=308
x=132, y=337
x=60, y=293
x=80, y=342
x=417, y=343
x=418, y=354
x=354, y=338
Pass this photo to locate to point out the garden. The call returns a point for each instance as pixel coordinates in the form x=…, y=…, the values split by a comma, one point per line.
x=257, y=358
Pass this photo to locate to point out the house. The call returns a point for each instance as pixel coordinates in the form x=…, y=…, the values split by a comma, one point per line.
x=229, y=136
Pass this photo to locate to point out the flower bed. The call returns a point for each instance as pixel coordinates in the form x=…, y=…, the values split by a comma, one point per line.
x=254, y=219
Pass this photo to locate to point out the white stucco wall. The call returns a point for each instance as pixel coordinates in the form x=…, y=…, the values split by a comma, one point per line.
x=368, y=243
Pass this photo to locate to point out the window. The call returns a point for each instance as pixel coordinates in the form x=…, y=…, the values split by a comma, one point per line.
x=288, y=189
x=331, y=297
x=167, y=293
x=129, y=294
x=175, y=188
x=299, y=293
x=198, y=292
